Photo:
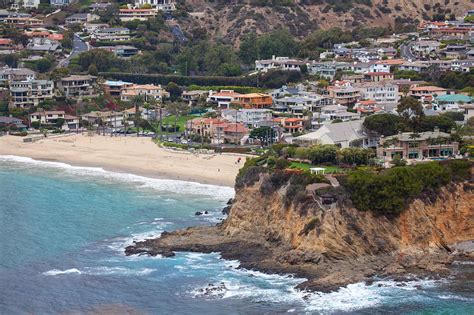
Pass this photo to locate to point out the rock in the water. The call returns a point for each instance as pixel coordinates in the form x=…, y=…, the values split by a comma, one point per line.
x=226, y=210
x=198, y=213
x=230, y=201
x=205, y=212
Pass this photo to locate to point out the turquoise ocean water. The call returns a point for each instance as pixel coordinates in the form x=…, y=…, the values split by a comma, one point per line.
x=63, y=230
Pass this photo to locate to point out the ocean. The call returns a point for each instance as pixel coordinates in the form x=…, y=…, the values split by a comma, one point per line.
x=63, y=230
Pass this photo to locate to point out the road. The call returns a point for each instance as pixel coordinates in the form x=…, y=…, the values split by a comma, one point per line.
x=78, y=46
x=406, y=53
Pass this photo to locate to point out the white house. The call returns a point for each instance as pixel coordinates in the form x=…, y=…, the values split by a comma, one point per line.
x=451, y=102
x=70, y=123
x=159, y=5
x=381, y=92
x=344, y=135
x=280, y=63
x=249, y=117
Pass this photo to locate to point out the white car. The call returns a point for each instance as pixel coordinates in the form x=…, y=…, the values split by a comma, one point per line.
x=184, y=141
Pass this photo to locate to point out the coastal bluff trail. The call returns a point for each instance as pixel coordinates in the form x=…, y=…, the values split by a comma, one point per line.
x=139, y=156
x=335, y=247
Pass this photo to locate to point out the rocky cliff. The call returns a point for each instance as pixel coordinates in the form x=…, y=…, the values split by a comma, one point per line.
x=330, y=245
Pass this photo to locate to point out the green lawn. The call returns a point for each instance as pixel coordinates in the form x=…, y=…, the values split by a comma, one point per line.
x=306, y=167
x=181, y=122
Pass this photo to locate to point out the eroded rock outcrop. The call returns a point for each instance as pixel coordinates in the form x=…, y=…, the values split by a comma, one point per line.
x=330, y=246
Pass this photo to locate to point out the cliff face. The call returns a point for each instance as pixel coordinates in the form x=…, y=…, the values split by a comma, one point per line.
x=343, y=232
x=334, y=246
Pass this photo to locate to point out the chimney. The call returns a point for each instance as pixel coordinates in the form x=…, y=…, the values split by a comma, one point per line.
x=436, y=129
x=273, y=57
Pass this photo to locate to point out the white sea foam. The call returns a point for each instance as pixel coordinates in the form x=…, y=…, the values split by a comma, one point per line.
x=167, y=185
x=56, y=272
x=228, y=283
x=457, y=262
x=101, y=271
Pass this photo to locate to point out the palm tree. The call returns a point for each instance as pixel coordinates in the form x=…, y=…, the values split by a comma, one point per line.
x=138, y=101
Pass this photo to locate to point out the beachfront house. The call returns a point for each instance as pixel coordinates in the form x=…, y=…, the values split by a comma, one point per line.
x=55, y=118
x=78, y=86
x=26, y=94
x=109, y=119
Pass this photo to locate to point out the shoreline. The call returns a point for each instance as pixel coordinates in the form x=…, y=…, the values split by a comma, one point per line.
x=137, y=156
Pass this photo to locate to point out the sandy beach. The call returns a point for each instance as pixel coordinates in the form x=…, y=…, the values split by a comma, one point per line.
x=133, y=155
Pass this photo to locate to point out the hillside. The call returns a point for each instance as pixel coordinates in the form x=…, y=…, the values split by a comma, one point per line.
x=228, y=20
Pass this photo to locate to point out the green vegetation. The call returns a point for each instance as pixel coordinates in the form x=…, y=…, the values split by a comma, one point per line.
x=390, y=191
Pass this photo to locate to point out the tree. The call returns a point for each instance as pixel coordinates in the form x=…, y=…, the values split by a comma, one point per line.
x=384, y=124
x=60, y=123
x=92, y=70
x=174, y=90
x=264, y=134
x=411, y=110
x=429, y=123
x=43, y=65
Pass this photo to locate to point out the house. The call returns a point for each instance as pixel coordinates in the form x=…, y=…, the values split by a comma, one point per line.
x=26, y=94
x=388, y=52
x=115, y=88
x=297, y=105
x=344, y=135
x=449, y=102
x=23, y=21
x=112, y=34
x=51, y=118
x=12, y=121
x=109, y=119
x=368, y=107
x=99, y=6
x=27, y=4
x=426, y=92
x=381, y=92
x=333, y=112
x=59, y=3
x=424, y=145
x=192, y=97
x=344, y=94
x=44, y=45
x=145, y=113
x=386, y=65
x=458, y=32
x=280, y=63
x=6, y=44
x=328, y=69
x=291, y=125
x=468, y=110
x=15, y=74
x=81, y=18
x=44, y=33
x=158, y=5
x=121, y=51
x=223, y=98
x=217, y=130
x=254, y=100
x=425, y=47
x=249, y=117
x=147, y=91
x=94, y=27
x=378, y=76
x=78, y=86
x=126, y=15
x=417, y=66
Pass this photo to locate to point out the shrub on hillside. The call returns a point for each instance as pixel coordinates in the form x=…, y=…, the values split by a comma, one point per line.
x=391, y=191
